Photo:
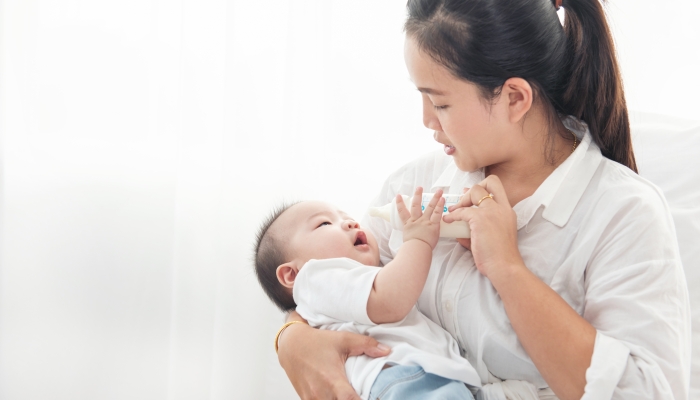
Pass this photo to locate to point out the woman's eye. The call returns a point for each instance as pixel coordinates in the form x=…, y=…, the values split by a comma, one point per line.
x=438, y=108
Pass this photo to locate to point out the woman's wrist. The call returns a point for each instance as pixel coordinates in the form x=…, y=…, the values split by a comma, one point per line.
x=506, y=274
x=293, y=320
x=281, y=331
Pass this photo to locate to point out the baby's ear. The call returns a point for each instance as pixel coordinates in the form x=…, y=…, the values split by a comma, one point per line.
x=287, y=273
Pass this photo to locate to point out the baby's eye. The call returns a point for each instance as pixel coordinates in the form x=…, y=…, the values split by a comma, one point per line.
x=323, y=223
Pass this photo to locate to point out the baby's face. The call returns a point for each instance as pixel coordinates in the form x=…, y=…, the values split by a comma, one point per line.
x=316, y=230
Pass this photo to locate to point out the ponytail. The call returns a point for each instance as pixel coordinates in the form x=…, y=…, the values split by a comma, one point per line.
x=594, y=92
x=573, y=70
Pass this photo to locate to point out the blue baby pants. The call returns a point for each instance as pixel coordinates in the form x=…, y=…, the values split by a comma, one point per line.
x=406, y=382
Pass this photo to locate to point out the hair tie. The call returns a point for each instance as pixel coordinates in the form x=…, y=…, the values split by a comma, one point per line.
x=557, y=4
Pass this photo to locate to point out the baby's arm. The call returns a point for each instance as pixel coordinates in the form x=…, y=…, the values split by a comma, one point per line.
x=399, y=284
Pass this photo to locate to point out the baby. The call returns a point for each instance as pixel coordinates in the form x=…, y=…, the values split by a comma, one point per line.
x=315, y=258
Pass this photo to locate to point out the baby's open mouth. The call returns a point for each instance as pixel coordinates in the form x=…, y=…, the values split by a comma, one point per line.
x=361, y=238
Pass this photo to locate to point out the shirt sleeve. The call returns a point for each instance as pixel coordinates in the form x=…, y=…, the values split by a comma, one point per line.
x=334, y=290
x=637, y=299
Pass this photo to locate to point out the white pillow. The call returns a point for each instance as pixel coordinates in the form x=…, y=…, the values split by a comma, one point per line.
x=668, y=154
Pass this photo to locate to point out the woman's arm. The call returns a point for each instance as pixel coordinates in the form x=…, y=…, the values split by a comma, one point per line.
x=632, y=340
x=314, y=359
x=558, y=340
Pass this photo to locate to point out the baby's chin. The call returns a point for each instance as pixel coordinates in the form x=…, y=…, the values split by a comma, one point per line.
x=371, y=259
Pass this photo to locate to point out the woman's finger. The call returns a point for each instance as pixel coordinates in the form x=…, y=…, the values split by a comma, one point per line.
x=354, y=344
x=315, y=364
x=466, y=243
x=464, y=201
x=404, y=214
x=493, y=184
x=428, y=212
x=416, y=211
x=480, y=196
x=460, y=214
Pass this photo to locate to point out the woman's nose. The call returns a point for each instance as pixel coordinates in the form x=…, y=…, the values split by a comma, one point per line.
x=429, y=118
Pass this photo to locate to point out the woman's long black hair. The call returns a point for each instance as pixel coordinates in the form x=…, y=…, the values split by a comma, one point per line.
x=573, y=69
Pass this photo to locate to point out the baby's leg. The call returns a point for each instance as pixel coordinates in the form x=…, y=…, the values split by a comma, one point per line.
x=403, y=382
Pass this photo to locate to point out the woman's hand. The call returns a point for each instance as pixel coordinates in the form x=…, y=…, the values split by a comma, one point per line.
x=493, y=225
x=314, y=360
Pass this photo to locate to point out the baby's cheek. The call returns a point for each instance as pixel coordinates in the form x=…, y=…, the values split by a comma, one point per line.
x=376, y=261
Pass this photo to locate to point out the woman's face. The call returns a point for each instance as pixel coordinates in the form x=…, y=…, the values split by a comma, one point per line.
x=471, y=129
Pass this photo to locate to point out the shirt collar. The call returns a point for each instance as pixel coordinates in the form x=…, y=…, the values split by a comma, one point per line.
x=563, y=194
x=559, y=193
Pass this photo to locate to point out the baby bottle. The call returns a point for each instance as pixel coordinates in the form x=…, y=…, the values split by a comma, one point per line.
x=388, y=212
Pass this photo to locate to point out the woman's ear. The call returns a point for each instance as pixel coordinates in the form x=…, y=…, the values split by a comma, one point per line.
x=518, y=93
x=287, y=273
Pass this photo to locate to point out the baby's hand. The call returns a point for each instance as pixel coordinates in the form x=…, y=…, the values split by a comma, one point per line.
x=421, y=225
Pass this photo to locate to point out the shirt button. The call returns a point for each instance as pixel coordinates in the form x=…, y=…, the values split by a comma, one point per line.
x=448, y=306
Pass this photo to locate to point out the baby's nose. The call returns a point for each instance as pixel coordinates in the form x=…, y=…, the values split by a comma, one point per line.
x=352, y=225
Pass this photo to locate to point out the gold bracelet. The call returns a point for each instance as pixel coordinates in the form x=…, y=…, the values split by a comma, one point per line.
x=279, y=332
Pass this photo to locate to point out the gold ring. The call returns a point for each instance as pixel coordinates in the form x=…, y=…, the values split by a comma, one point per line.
x=489, y=196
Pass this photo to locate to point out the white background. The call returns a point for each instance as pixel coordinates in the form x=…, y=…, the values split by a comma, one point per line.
x=144, y=141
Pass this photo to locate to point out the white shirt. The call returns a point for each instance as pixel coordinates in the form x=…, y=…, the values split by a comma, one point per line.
x=333, y=293
x=600, y=236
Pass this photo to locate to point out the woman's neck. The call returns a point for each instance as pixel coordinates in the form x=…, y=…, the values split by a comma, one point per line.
x=535, y=159
x=520, y=183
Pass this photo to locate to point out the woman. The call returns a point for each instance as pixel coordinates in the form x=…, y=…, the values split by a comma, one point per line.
x=571, y=281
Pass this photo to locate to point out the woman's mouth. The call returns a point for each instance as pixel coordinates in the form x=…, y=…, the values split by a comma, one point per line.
x=449, y=150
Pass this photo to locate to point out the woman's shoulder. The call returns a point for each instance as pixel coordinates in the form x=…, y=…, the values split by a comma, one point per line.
x=619, y=201
x=620, y=185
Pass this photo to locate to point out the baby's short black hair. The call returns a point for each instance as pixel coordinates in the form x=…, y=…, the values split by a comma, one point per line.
x=270, y=254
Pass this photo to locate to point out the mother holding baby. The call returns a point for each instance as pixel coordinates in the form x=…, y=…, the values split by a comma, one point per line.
x=571, y=281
